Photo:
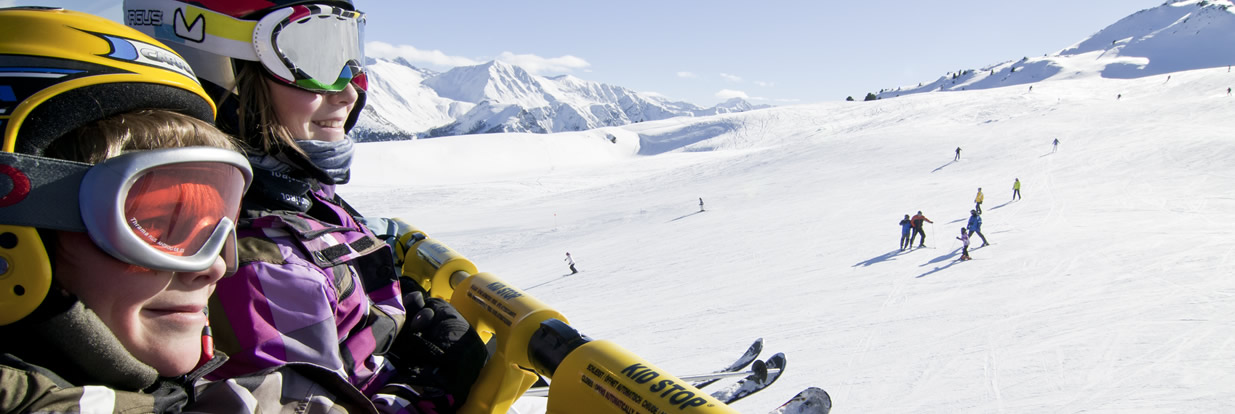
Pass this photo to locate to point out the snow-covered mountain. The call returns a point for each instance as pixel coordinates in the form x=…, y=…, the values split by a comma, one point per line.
x=406, y=102
x=1176, y=36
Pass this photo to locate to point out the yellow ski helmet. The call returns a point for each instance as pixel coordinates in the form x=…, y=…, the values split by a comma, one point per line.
x=60, y=70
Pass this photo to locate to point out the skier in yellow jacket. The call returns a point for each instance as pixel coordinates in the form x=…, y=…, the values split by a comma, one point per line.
x=978, y=201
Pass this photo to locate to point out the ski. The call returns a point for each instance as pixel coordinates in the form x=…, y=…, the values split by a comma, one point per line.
x=700, y=380
x=812, y=400
x=752, y=352
x=753, y=383
x=760, y=370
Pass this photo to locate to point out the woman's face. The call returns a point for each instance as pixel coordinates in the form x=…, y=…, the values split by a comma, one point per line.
x=312, y=116
x=157, y=315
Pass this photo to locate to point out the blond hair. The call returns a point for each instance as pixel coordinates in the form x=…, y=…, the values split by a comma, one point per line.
x=144, y=129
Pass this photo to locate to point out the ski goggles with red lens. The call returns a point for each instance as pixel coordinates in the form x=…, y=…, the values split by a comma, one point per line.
x=315, y=47
x=169, y=209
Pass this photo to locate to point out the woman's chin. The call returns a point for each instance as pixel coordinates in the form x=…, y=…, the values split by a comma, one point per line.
x=319, y=133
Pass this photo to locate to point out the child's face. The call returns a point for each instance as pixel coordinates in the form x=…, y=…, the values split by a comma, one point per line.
x=157, y=315
x=312, y=116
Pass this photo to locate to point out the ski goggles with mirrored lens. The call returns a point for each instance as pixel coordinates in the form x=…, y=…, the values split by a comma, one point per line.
x=169, y=209
x=315, y=47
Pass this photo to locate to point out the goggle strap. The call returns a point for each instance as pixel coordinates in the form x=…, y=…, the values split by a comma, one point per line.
x=201, y=28
x=52, y=200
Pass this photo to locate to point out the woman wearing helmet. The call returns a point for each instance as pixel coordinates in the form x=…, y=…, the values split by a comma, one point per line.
x=314, y=284
x=116, y=223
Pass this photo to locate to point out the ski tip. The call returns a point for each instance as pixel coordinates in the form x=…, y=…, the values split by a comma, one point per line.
x=813, y=400
x=777, y=360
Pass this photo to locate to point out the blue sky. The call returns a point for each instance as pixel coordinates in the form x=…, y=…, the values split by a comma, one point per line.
x=773, y=52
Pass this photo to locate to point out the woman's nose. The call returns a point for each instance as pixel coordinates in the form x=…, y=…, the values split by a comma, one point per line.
x=345, y=97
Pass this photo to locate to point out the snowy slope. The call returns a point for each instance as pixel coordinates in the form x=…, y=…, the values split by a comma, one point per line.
x=1178, y=35
x=1108, y=288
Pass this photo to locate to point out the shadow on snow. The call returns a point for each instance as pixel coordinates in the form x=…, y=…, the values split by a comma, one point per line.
x=1004, y=204
x=688, y=215
x=942, y=166
x=880, y=258
x=943, y=257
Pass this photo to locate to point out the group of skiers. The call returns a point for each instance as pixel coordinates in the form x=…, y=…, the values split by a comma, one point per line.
x=911, y=227
x=974, y=226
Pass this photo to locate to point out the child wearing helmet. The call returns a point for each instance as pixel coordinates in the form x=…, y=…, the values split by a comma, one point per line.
x=117, y=227
x=315, y=284
x=964, y=238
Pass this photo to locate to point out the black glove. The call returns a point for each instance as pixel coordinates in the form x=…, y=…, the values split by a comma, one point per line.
x=437, y=348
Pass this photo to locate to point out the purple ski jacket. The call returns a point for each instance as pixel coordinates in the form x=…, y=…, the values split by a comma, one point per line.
x=321, y=290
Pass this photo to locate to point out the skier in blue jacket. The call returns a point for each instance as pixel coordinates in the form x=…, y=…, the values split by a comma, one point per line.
x=906, y=228
x=975, y=226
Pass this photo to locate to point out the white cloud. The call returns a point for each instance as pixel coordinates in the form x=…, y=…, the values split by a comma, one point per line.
x=731, y=78
x=765, y=84
x=730, y=94
x=685, y=74
x=532, y=63
x=416, y=56
x=542, y=65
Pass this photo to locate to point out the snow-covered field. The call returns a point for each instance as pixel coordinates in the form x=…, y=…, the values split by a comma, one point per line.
x=1109, y=288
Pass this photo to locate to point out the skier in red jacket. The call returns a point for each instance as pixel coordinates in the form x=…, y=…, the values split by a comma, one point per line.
x=917, y=229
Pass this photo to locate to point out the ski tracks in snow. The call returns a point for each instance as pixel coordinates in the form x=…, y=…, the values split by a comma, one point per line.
x=992, y=367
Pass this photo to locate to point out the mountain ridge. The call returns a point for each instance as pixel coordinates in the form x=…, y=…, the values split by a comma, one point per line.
x=407, y=102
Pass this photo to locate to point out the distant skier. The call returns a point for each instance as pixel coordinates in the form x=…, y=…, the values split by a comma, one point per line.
x=1055, y=145
x=1016, y=189
x=964, y=244
x=700, y=203
x=958, y=154
x=571, y=261
x=975, y=226
x=917, y=229
x=906, y=228
x=978, y=201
